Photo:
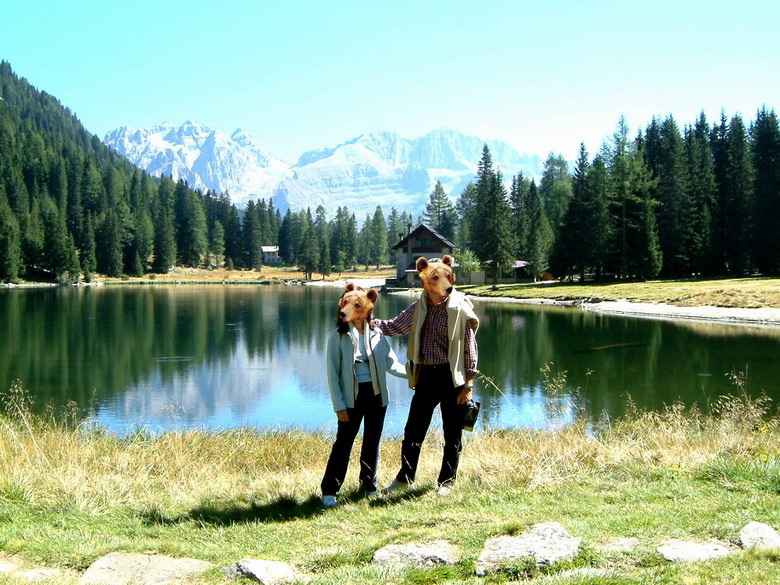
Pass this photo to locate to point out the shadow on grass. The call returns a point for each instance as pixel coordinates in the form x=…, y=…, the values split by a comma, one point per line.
x=283, y=509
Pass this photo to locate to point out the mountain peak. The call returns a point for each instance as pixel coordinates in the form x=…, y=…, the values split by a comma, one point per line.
x=376, y=168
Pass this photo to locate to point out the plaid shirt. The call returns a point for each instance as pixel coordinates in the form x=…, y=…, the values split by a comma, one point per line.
x=435, y=343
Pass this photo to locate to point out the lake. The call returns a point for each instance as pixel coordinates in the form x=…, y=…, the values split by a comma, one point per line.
x=216, y=357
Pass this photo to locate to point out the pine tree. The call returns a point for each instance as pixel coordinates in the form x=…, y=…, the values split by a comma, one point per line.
x=164, y=230
x=10, y=242
x=253, y=253
x=555, y=189
x=378, y=244
x=440, y=213
x=322, y=231
x=738, y=198
x=702, y=193
x=309, y=257
x=466, y=208
x=571, y=251
x=217, y=243
x=766, y=208
x=88, y=260
x=665, y=158
x=539, y=239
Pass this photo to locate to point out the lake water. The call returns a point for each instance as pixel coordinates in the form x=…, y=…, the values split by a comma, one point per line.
x=218, y=357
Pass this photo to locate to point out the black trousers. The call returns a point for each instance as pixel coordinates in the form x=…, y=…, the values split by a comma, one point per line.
x=434, y=388
x=368, y=407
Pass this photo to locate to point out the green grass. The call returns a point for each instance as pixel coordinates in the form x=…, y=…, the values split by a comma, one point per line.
x=69, y=495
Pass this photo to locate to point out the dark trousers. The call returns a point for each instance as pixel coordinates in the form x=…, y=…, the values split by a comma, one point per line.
x=368, y=407
x=434, y=388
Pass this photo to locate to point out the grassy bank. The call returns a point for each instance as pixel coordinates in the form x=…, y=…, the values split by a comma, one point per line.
x=748, y=293
x=70, y=493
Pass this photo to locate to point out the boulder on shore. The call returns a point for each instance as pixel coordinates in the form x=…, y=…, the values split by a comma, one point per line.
x=546, y=544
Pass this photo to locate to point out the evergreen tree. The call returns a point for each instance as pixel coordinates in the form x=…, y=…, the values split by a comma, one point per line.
x=555, y=189
x=539, y=240
x=253, y=253
x=10, y=242
x=571, y=250
x=164, y=231
x=364, y=241
x=193, y=231
x=493, y=237
x=738, y=198
x=466, y=207
x=322, y=232
x=766, y=208
x=665, y=159
x=88, y=259
x=233, y=241
x=109, y=245
x=309, y=256
x=440, y=213
x=702, y=193
x=378, y=244
x=217, y=242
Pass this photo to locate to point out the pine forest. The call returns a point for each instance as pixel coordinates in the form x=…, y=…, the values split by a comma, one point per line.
x=668, y=202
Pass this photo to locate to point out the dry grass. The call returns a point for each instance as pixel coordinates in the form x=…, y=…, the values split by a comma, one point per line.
x=51, y=462
x=267, y=273
x=725, y=292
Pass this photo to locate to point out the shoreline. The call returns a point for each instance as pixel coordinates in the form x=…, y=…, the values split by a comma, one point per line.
x=758, y=317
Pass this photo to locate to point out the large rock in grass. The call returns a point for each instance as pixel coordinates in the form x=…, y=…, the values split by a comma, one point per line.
x=265, y=572
x=138, y=569
x=546, y=544
x=681, y=551
x=418, y=554
x=758, y=535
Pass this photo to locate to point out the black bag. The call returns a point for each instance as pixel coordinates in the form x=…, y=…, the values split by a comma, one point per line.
x=470, y=416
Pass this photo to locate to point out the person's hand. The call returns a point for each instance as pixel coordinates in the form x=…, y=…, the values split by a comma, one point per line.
x=342, y=415
x=464, y=395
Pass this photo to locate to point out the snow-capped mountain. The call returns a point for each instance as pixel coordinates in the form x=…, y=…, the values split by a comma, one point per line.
x=205, y=158
x=381, y=168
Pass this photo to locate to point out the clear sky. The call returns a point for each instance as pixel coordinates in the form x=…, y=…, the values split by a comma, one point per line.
x=299, y=75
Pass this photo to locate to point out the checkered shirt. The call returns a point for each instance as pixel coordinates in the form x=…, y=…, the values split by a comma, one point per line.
x=435, y=343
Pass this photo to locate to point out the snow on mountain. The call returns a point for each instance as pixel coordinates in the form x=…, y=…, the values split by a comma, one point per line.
x=205, y=158
x=380, y=168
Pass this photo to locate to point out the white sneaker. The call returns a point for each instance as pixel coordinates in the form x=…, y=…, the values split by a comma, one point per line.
x=329, y=501
x=395, y=486
x=444, y=490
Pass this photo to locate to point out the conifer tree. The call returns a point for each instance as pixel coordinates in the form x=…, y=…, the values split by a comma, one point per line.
x=555, y=189
x=665, y=159
x=539, y=239
x=217, y=243
x=738, y=198
x=466, y=207
x=309, y=256
x=321, y=229
x=701, y=192
x=10, y=242
x=440, y=213
x=377, y=252
x=253, y=253
x=766, y=208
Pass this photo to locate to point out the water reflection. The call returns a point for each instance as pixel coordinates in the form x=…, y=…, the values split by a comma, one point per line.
x=226, y=356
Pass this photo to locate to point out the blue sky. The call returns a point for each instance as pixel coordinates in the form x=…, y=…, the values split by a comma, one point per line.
x=298, y=75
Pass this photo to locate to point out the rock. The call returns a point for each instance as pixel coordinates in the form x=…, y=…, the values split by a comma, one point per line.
x=679, y=551
x=621, y=545
x=758, y=535
x=546, y=543
x=265, y=572
x=138, y=569
x=424, y=554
